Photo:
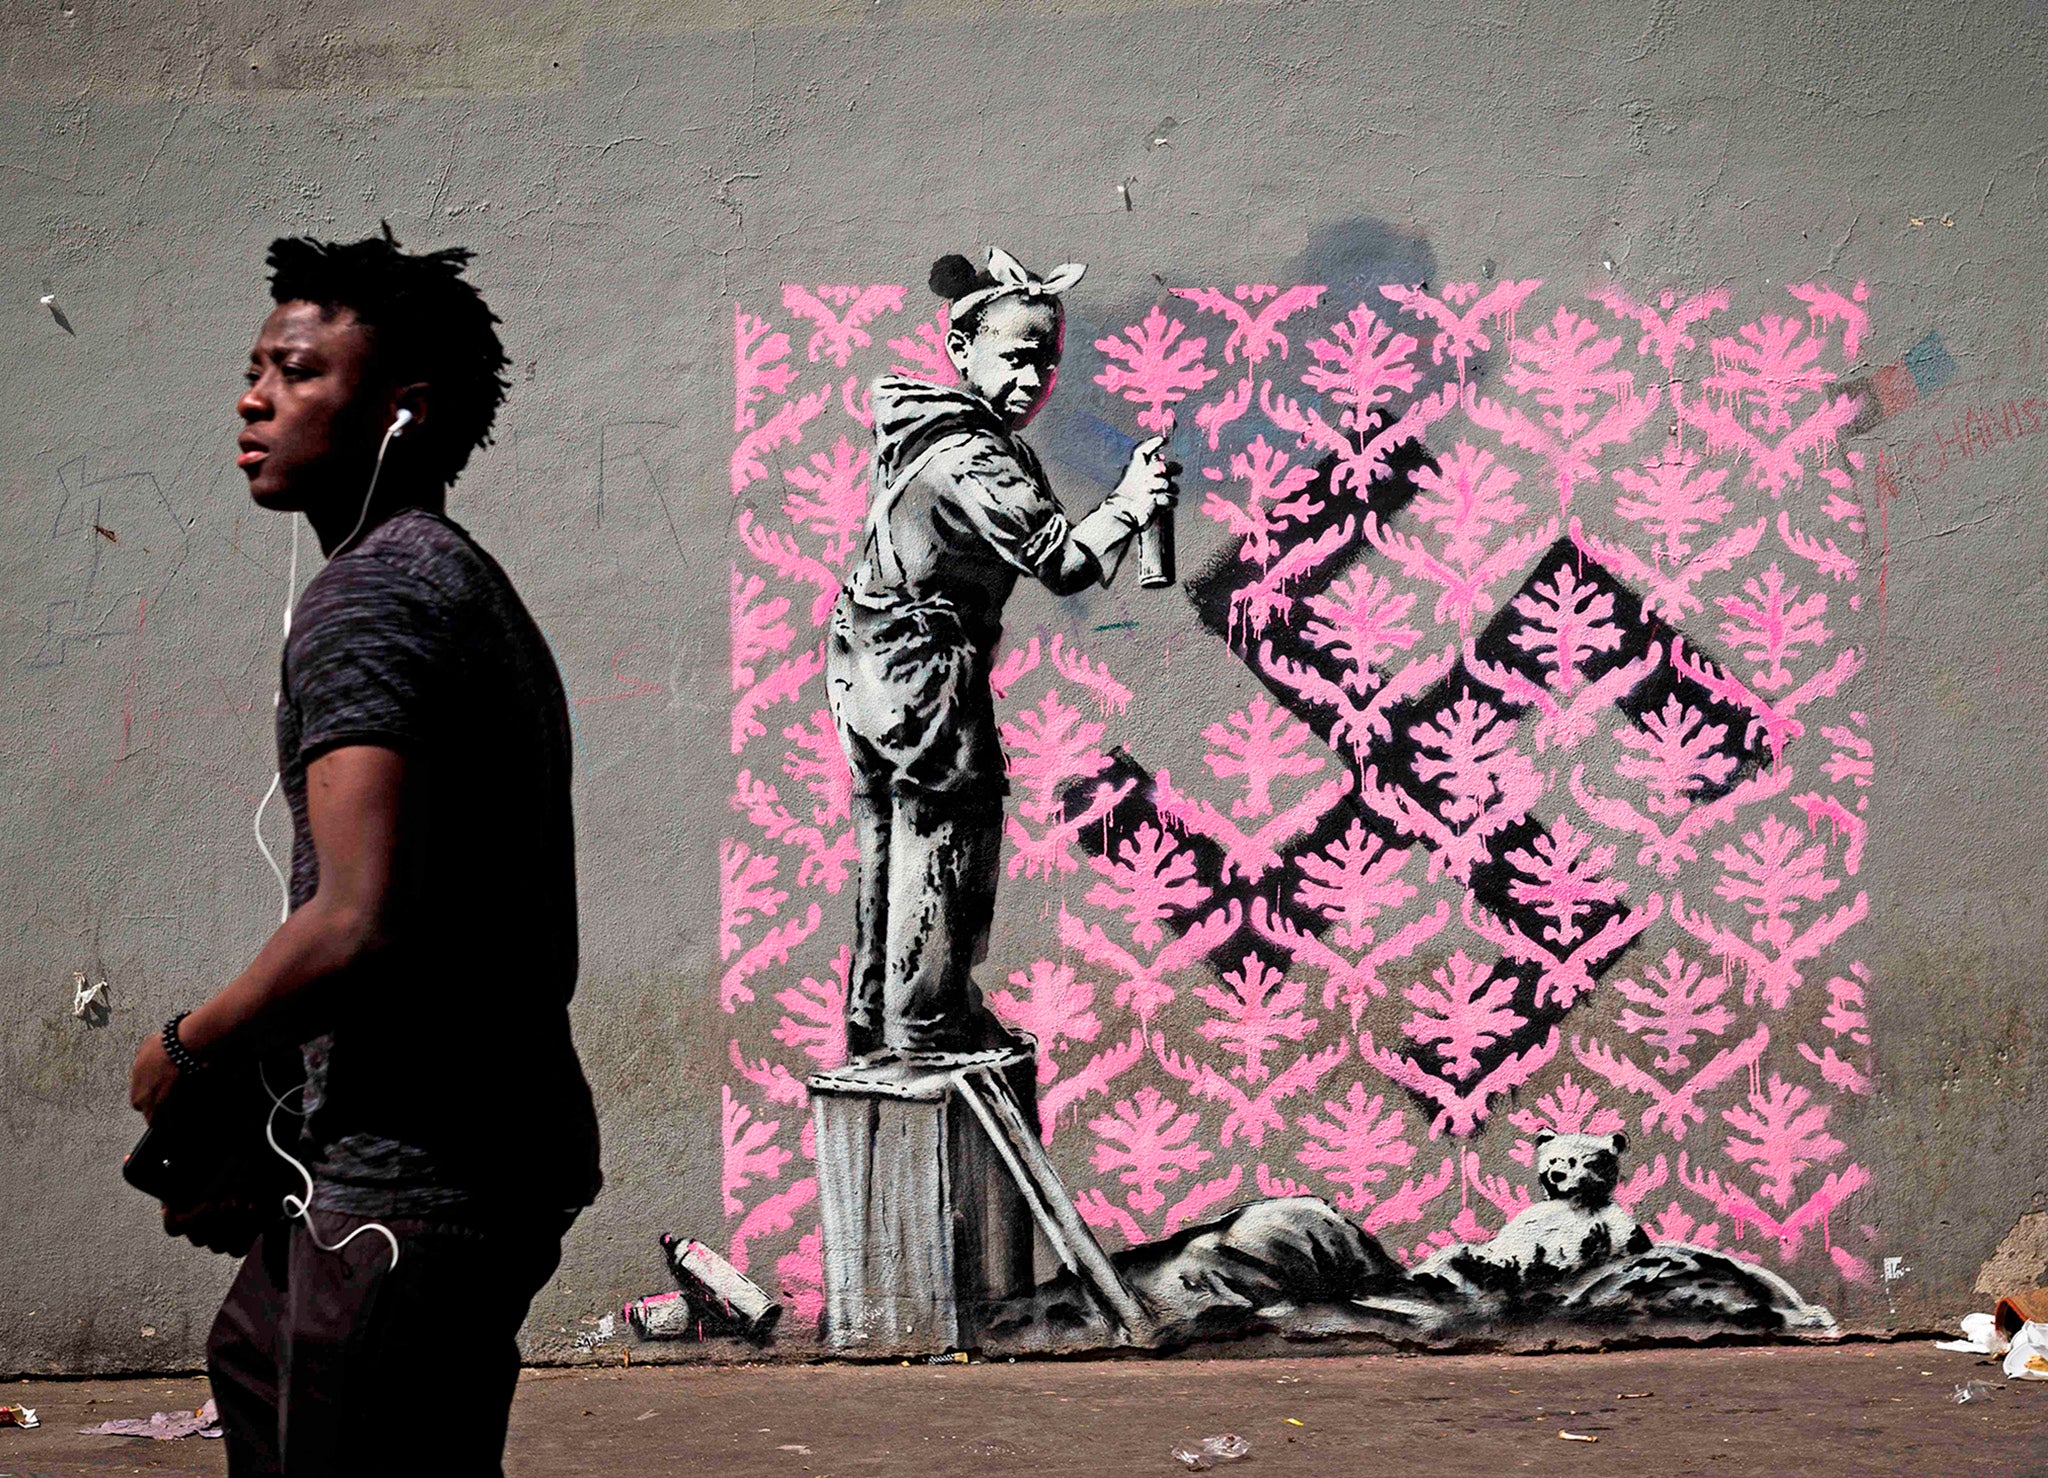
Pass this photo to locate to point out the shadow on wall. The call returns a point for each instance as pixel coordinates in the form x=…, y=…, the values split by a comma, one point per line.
x=1348, y=261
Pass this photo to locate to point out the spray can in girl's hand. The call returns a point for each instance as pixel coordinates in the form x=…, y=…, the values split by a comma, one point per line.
x=1155, y=541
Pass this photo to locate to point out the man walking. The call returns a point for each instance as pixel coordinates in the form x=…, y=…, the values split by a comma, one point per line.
x=431, y=950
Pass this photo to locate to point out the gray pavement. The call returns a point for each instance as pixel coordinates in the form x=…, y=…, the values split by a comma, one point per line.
x=1847, y=1409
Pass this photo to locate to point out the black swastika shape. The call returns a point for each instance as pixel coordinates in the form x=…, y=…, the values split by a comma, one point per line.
x=1400, y=798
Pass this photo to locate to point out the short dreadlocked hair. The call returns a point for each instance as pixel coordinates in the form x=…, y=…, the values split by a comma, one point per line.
x=426, y=322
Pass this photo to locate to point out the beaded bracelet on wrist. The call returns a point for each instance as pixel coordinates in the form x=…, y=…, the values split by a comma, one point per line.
x=180, y=1055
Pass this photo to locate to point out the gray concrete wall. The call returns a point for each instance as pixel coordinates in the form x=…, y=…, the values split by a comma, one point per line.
x=628, y=179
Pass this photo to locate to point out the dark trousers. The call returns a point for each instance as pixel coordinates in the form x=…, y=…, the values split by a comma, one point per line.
x=928, y=869
x=340, y=1363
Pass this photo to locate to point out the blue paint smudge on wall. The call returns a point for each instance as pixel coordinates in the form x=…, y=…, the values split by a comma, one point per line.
x=1929, y=364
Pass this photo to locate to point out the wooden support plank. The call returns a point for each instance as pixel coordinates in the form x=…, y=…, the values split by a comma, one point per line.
x=988, y=1093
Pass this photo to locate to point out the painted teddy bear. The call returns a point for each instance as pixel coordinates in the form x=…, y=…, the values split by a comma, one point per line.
x=1578, y=1228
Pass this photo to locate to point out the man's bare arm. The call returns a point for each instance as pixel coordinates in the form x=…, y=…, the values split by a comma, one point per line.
x=353, y=804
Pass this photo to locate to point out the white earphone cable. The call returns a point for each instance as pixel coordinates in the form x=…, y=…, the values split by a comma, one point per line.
x=300, y=1207
x=398, y=424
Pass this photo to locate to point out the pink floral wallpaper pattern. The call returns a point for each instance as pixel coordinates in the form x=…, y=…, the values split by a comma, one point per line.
x=1549, y=812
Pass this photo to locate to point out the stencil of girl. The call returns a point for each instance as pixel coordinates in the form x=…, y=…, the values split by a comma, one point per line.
x=959, y=508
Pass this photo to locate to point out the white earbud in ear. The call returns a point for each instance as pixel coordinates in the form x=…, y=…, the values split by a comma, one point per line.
x=399, y=422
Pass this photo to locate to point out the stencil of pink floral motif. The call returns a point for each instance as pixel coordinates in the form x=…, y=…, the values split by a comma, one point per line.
x=1257, y=1009
x=1772, y=878
x=1149, y=1144
x=1672, y=501
x=1673, y=1224
x=923, y=352
x=814, y=1013
x=1272, y=500
x=750, y=1151
x=1255, y=313
x=1845, y=1016
x=1678, y=754
x=1681, y=1004
x=1259, y=602
x=1564, y=877
x=784, y=426
x=1351, y=881
x=1780, y=1132
x=1569, y=1108
x=1362, y=367
x=773, y=1213
x=1791, y=1229
x=1155, y=367
x=1356, y=1146
x=1461, y=335
x=1259, y=744
x=1468, y=750
x=1144, y=987
x=745, y=891
x=1769, y=624
x=1353, y=978
x=1674, y=1106
x=1565, y=970
x=1248, y=856
x=800, y=1274
x=1672, y=497
x=1459, y=1108
x=1826, y=307
x=1672, y=761
x=1148, y=879
x=1567, y=369
x=816, y=762
x=1464, y=498
x=1253, y=1112
x=758, y=352
x=1508, y=1195
x=841, y=315
x=1564, y=623
x=1047, y=748
x=1359, y=620
x=1468, y=1009
x=1763, y=373
x=1667, y=326
x=1048, y=1002
x=833, y=500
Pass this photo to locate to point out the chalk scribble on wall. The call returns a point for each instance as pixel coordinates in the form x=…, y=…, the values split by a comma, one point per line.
x=1544, y=830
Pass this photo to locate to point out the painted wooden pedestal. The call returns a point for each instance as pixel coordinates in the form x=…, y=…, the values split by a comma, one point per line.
x=924, y=1221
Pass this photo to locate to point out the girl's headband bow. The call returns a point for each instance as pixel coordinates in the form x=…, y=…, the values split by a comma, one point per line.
x=1012, y=277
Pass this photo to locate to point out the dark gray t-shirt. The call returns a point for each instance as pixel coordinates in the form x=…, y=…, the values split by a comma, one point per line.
x=449, y=1084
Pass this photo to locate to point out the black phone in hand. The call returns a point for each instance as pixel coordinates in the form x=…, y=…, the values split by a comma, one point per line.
x=205, y=1154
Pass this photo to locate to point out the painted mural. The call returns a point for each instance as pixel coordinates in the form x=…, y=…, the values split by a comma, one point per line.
x=1498, y=960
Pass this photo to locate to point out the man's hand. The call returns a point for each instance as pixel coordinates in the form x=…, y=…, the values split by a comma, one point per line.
x=150, y=1079
x=218, y=1226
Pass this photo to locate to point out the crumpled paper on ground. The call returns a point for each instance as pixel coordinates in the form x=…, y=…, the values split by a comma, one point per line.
x=164, y=1426
x=1980, y=1337
x=2028, y=1357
